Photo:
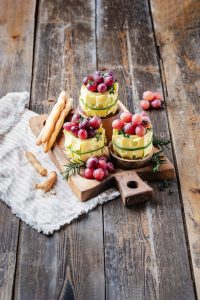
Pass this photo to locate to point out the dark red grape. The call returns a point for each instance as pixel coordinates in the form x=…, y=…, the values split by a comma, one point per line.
x=95, y=122
x=76, y=118
x=108, y=80
x=85, y=80
x=103, y=157
x=91, y=133
x=74, y=130
x=88, y=173
x=92, y=86
x=82, y=134
x=67, y=126
x=99, y=174
x=129, y=128
x=109, y=167
x=85, y=124
x=102, y=164
x=92, y=163
x=98, y=78
x=102, y=87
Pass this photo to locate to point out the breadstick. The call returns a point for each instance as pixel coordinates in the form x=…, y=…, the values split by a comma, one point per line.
x=39, y=138
x=53, y=117
x=47, y=184
x=58, y=126
x=36, y=164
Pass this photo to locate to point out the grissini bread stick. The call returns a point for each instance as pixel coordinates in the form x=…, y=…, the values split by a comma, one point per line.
x=58, y=126
x=36, y=164
x=53, y=117
x=39, y=138
x=47, y=184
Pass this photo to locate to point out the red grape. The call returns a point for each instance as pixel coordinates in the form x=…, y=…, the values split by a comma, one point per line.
x=148, y=95
x=95, y=122
x=140, y=131
x=91, y=133
x=126, y=117
x=85, y=80
x=136, y=119
x=76, y=118
x=102, y=87
x=92, y=163
x=92, y=86
x=157, y=95
x=146, y=122
x=67, y=126
x=156, y=103
x=98, y=174
x=102, y=164
x=88, y=173
x=118, y=124
x=144, y=104
x=82, y=134
x=97, y=73
x=110, y=167
x=108, y=80
x=90, y=78
x=74, y=130
x=85, y=124
x=98, y=78
x=129, y=128
x=103, y=157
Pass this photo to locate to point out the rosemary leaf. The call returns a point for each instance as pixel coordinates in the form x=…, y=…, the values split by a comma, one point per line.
x=72, y=168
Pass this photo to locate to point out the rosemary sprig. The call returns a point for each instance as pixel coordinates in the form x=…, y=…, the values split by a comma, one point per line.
x=112, y=90
x=98, y=136
x=158, y=142
x=72, y=168
x=157, y=160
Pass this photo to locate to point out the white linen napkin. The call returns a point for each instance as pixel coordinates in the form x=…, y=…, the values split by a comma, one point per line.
x=44, y=212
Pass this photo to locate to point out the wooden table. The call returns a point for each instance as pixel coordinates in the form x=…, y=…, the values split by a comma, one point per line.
x=153, y=250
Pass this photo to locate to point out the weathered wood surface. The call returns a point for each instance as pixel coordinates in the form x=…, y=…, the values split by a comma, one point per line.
x=178, y=36
x=145, y=248
x=16, y=52
x=71, y=262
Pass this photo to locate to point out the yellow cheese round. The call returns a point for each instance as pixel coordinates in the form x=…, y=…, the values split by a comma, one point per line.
x=83, y=149
x=132, y=147
x=99, y=104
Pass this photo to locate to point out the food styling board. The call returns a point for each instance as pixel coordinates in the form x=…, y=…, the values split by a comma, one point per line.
x=130, y=183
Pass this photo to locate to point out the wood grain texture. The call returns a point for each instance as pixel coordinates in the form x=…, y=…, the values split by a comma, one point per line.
x=145, y=248
x=16, y=50
x=69, y=264
x=179, y=47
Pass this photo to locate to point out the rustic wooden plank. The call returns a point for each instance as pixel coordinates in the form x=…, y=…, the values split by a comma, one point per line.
x=69, y=264
x=145, y=248
x=16, y=49
x=177, y=33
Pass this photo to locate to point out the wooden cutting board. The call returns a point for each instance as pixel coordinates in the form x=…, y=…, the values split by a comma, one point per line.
x=130, y=183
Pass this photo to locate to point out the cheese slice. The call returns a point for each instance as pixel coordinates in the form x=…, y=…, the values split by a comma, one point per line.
x=83, y=149
x=132, y=147
x=99, y=104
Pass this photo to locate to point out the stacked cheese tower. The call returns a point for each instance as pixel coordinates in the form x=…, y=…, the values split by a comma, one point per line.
x=99, y=94
x=132, y=136
x=84, y=137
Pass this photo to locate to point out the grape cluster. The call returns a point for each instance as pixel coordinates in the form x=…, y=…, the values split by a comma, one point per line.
x=83, y=128
x=136, y=124
x=151, y=99
x=98, y=168
x=99, y=81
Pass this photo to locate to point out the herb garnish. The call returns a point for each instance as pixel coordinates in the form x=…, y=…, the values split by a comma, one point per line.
x=72, y=168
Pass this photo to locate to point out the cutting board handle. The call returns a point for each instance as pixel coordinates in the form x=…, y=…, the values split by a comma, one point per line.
x=132, y=188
